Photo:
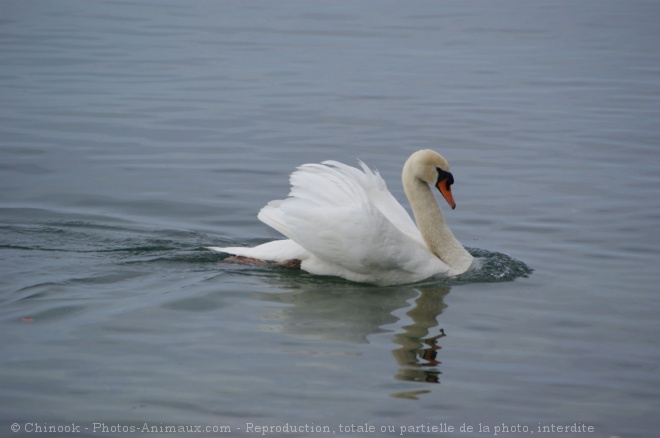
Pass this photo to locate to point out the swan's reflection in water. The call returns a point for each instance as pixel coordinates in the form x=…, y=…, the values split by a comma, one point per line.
x=351, y=313
x=417, y=355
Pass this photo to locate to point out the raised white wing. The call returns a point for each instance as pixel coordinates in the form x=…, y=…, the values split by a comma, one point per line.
x=376, y=190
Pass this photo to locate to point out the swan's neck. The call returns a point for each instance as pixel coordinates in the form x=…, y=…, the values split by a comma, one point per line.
x=432, y=225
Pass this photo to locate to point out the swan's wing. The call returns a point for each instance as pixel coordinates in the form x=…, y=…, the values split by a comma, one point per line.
x=335, y=214
x=376, y=189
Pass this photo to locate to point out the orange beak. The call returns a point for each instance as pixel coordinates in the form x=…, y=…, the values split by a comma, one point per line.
x=444, y=188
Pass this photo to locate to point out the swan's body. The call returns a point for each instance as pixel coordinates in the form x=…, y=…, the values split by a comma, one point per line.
x=343, y=221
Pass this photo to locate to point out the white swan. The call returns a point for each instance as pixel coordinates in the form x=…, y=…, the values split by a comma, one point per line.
x=343, y=221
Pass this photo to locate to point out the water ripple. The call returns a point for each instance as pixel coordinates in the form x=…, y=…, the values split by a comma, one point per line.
x=494, y=267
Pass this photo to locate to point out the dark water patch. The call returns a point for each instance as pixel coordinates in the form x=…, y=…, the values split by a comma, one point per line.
x=195, y=304
x=52, y=314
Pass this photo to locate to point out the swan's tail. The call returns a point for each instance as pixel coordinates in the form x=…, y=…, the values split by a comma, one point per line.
x=275, y=251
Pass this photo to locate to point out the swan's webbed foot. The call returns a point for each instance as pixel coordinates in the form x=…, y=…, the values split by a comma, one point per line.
x=242, y=260
x=291, y=263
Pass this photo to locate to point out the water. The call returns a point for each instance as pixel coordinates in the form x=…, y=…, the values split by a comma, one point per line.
x=134, y=134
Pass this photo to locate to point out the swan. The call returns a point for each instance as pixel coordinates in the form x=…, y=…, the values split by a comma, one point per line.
x=342, y=221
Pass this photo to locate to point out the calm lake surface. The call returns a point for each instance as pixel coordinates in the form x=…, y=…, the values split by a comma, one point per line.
x=133, y=134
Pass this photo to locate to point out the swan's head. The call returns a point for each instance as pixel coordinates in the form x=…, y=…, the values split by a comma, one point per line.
x=432, y=168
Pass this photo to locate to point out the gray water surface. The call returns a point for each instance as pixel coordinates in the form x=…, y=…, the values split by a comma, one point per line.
x=133, y=134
